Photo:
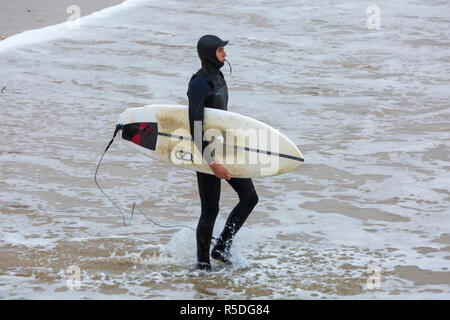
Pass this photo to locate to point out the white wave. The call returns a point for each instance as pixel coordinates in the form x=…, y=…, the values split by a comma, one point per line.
x=62, y=30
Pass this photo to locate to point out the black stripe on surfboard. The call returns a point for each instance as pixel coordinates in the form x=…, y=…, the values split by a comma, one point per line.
x=281, y=155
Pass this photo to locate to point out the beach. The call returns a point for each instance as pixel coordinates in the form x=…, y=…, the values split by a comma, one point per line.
x=366, y=216
x=20, y=15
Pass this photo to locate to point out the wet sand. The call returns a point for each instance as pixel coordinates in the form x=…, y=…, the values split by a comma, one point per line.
x=20, y=15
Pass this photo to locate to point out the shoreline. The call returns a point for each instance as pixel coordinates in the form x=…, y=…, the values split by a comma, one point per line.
x=21, y=15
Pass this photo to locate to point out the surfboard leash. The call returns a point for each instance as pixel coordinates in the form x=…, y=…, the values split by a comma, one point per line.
x=119, y=127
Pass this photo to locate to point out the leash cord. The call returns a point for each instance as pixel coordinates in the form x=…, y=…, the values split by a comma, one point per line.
x=119, y=127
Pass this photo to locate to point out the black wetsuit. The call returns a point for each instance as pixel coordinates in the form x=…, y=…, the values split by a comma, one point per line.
x=207, y=88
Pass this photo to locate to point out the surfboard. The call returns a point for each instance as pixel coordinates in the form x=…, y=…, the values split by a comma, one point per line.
x=245, y=146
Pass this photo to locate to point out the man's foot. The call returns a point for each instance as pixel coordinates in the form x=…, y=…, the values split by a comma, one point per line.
x=221, y=255
x=206, y=266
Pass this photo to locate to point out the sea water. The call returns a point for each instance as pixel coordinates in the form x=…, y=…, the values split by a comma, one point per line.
x=362, y=88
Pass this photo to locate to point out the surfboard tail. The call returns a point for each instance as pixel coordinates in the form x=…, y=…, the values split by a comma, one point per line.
x=144, y=134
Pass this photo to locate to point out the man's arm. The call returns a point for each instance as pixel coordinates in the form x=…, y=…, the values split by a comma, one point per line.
x=197, y=93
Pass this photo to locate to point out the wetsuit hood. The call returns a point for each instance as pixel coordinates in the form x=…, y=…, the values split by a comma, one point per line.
x=206, y=48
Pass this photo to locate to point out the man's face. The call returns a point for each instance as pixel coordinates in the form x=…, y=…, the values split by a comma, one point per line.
x=221, y=54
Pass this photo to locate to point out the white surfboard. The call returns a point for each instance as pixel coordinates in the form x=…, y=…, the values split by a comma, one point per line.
x=244, y=146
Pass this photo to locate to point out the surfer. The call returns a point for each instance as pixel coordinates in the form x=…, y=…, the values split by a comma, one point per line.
x=208, y=89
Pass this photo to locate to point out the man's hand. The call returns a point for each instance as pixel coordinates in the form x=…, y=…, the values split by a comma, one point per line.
x=220, y=171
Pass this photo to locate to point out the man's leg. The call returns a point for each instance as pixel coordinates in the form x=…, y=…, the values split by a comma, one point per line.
x=209, y=190
x=247, y=201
